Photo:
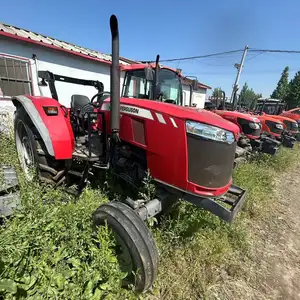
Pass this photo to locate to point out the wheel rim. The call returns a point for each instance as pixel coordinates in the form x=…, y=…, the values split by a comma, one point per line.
x=25, y=151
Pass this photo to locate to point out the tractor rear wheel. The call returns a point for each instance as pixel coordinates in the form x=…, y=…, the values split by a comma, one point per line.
x=137, y=250
x=33, y=156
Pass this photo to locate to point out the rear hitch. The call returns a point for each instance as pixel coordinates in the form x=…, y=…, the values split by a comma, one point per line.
x=234, y=199
x=9, y=195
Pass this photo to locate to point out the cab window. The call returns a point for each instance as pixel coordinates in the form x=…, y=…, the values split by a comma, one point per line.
x=136, y=85
x=170, y=87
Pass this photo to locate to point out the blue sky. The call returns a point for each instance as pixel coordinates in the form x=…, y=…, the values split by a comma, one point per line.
x=177, y=29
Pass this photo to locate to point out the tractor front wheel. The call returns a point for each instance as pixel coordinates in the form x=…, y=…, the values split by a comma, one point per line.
x=32, y=153
x=135, y=248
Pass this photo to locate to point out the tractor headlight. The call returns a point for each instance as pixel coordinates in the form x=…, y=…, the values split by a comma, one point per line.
x=254, y=125
x=295, y=125
x=210, y=132
x=278, y=126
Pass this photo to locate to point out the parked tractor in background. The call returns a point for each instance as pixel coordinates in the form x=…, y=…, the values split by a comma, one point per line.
x=293, y=114
x=189, y=154
x=268, y=108
x=251, y=138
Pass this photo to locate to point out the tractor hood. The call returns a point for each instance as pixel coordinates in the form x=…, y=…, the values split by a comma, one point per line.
x=269, y=118
x=143, y=107
x=210, y=118
x=282, y=118
x=236, y=114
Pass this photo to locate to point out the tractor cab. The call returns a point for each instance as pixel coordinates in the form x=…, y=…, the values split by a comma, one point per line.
x=270, y=106
x=154, y=82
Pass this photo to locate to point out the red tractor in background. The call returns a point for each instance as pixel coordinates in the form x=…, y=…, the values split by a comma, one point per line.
x=273, y=129
x=189, y=154
x=292, y=114
x=251, y=139
x=268, y=109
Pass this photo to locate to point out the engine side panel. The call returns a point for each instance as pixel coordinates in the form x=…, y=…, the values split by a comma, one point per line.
x=163, y=137
x=159, y=134
x=56, y=131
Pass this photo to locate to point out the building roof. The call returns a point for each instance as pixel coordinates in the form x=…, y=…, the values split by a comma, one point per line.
x=46, y=41
x=55, y=44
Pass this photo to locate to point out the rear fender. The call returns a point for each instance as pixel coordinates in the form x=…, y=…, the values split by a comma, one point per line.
x=56, y=131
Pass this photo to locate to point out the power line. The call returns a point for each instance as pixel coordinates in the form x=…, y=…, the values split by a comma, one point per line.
x=227, y=52
x=195, y=57
x=274, y=50
x=254, y=56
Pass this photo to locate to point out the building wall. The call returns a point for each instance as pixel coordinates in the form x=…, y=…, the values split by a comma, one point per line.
x=198, y=96
x=58, y=63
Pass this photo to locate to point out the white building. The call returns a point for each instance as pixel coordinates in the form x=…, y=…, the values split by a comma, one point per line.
x=23, y=53
x=198, y=96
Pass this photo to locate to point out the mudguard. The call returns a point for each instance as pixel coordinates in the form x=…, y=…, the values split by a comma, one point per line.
x=56, y=131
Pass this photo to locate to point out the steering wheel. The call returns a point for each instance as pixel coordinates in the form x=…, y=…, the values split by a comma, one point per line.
x=100, y=98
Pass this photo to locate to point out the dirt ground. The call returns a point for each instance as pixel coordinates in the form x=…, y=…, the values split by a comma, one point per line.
x=278, y=275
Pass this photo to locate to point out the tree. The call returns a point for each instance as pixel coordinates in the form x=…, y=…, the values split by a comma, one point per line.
x=282, y=89
x=248, y=97
x=217, y=92
x=293, y=98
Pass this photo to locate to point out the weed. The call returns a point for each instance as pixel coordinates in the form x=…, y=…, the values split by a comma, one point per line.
x=47, y=250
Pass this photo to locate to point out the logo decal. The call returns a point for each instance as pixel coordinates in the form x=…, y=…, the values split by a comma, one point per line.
x=132, y=110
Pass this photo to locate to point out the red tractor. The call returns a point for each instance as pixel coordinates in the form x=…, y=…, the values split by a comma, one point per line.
x=188, y=154
x=293, y=114
x=271, y=109
x=251, y=137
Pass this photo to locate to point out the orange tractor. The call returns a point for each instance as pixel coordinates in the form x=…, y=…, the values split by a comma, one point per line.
x=251, y=138
x=271, y=109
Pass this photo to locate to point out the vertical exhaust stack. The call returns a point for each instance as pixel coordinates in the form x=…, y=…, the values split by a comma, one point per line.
x=115, y=80
x=155, y=82
x=223, y=100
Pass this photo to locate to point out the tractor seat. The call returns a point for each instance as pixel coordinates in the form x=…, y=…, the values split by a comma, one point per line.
x=81, y=104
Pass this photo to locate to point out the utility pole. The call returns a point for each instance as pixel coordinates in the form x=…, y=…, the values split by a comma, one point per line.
x=236, y=83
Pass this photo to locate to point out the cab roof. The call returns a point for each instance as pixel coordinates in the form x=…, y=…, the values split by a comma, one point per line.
x=141, y=66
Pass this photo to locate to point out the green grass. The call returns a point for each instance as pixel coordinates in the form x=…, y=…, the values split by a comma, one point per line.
x=48, y=251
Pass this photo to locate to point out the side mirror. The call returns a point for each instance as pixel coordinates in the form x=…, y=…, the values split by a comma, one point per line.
x=149, y=74
x=195, y=84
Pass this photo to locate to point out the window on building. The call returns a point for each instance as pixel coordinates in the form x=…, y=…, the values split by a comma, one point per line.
x=14, y=77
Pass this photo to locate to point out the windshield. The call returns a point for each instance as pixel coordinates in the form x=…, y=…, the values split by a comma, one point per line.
x=271, y=108
x=136, y=86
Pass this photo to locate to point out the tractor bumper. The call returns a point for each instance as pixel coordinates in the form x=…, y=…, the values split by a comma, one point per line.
x=269, y=145
x=266, y=145
x=9, y=196
x=234, y=199
x=288, y=140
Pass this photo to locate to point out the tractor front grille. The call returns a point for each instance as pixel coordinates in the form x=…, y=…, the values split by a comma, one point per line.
x=247, y=129
x=290, y=125
x=272, y=127
x=210, y=162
